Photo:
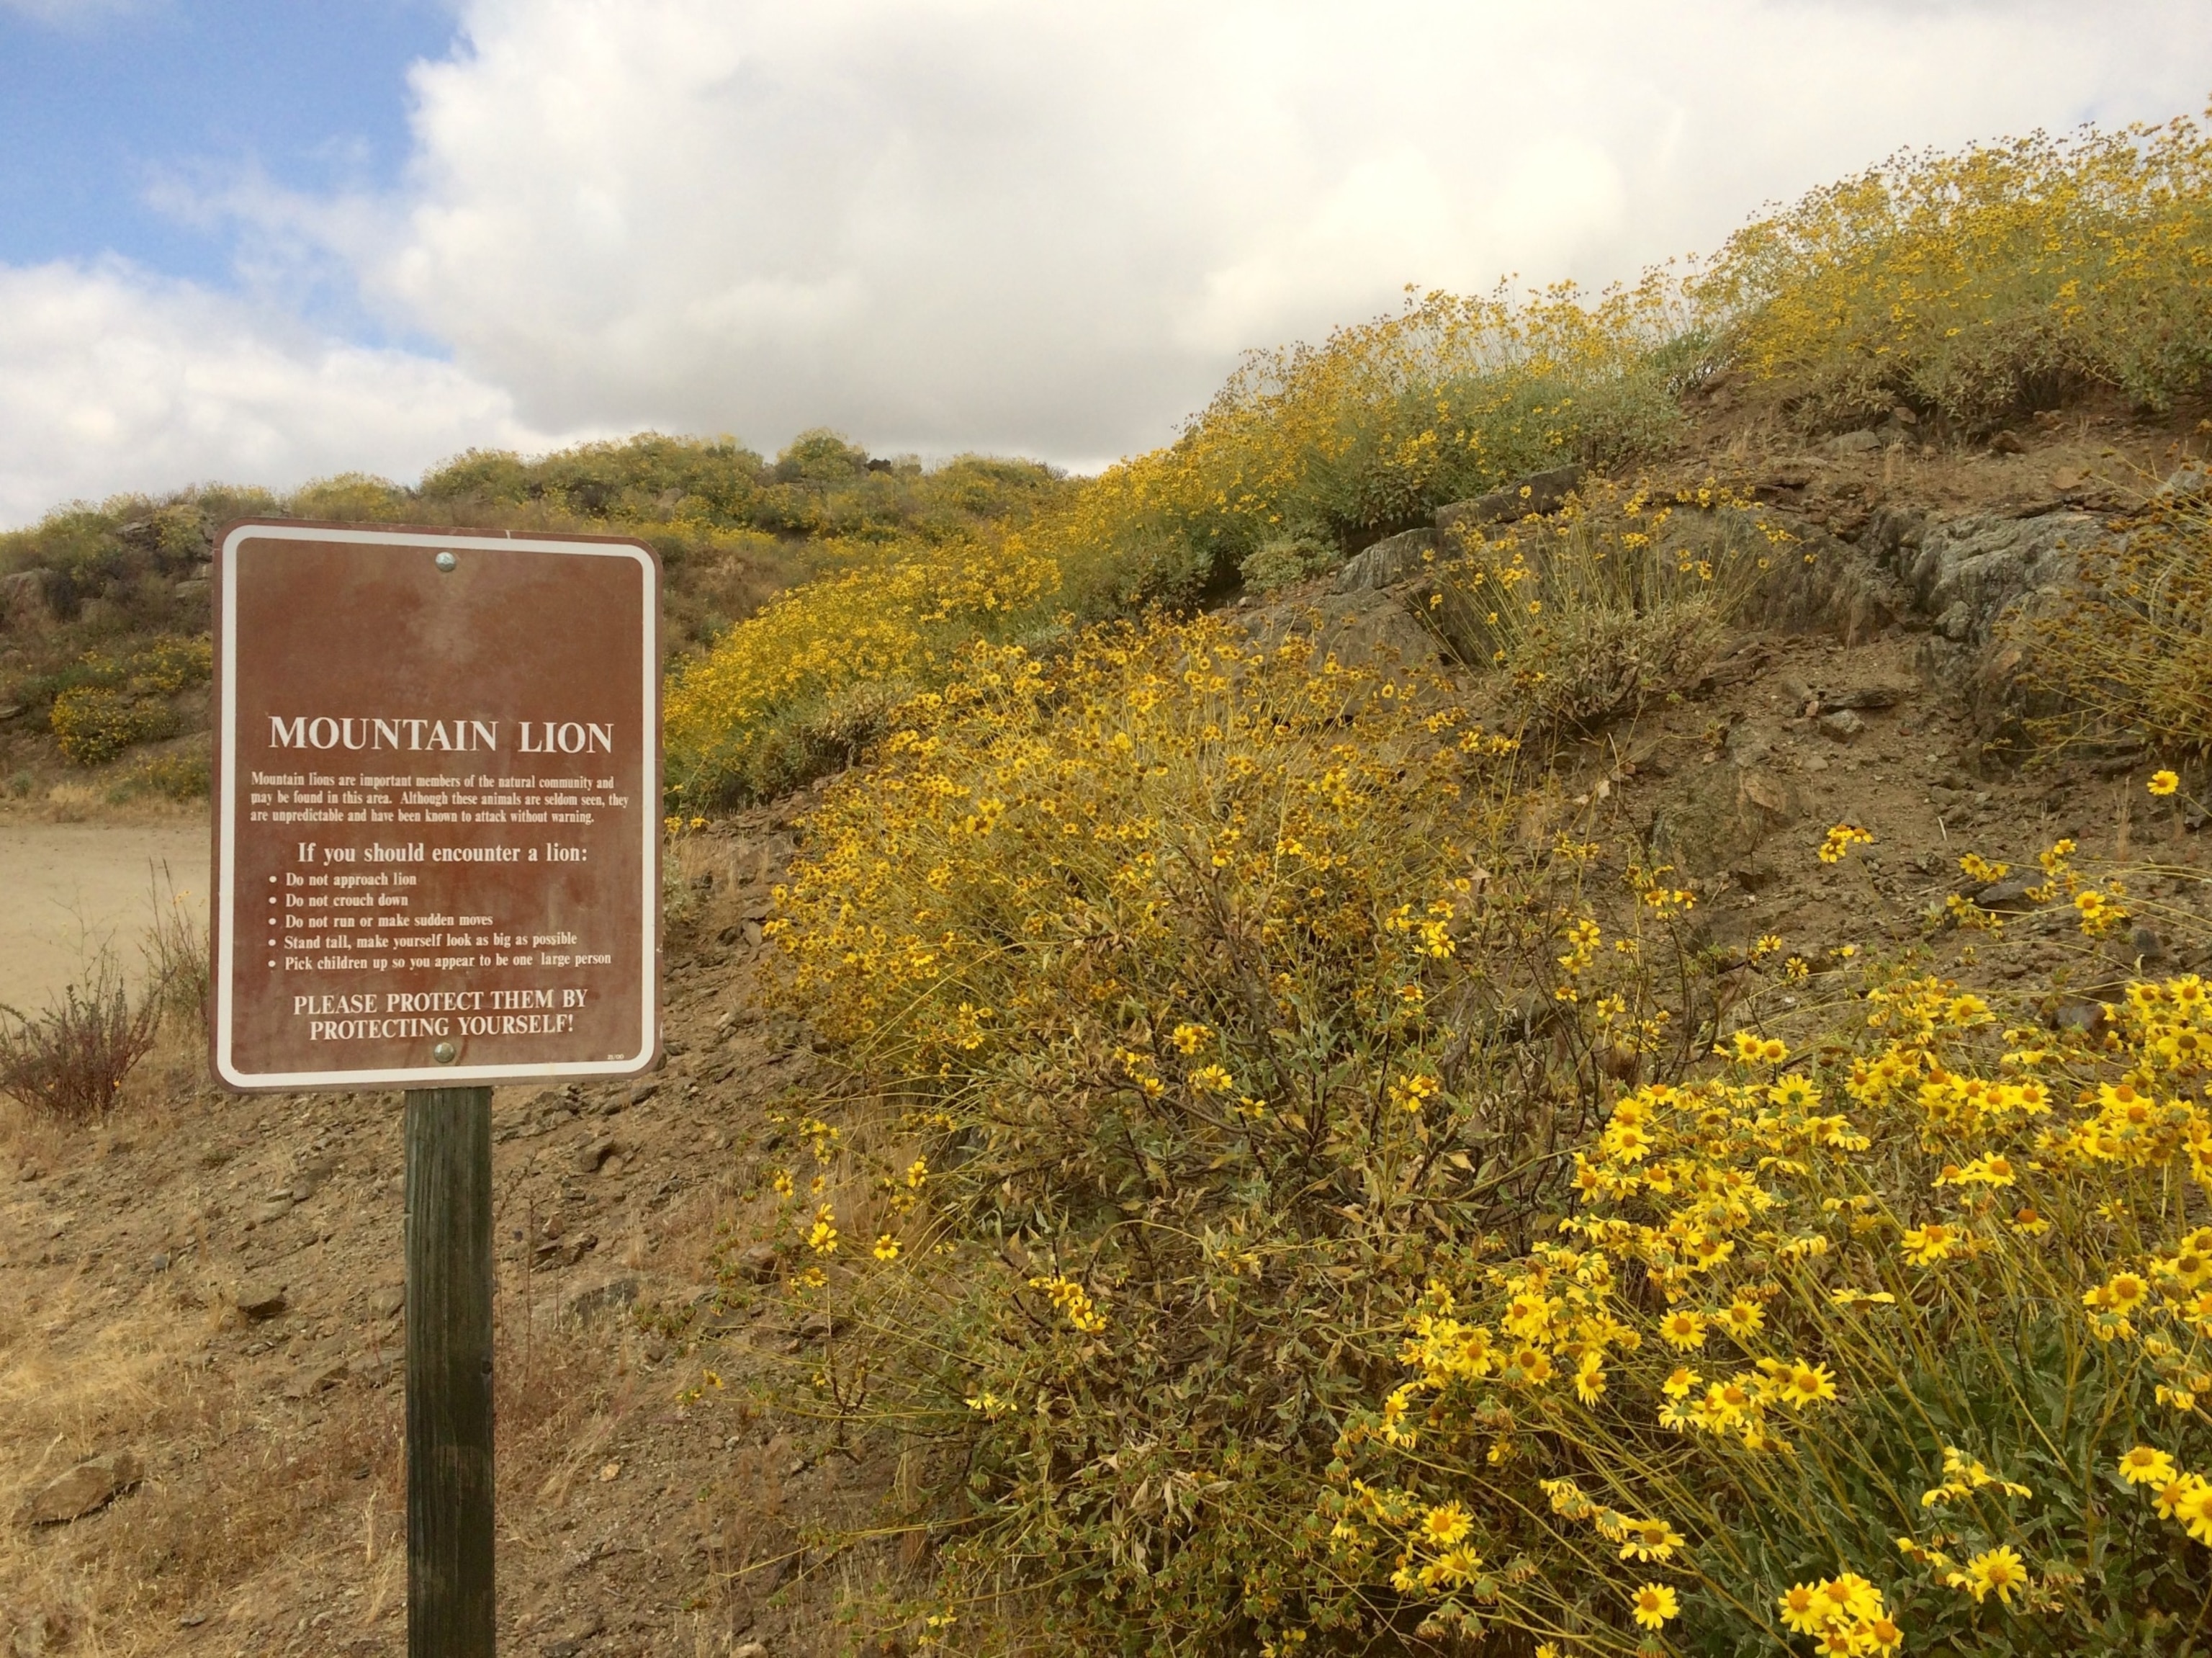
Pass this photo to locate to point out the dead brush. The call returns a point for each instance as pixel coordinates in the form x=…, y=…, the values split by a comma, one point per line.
x=67, y=1063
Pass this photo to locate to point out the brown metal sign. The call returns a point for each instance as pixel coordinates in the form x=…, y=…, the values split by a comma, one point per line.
x=437, y=789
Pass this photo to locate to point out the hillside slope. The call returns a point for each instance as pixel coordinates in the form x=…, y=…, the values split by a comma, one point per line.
x=210, y=1285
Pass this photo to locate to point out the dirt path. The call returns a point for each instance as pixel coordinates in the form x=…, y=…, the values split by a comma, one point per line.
x=65, y=888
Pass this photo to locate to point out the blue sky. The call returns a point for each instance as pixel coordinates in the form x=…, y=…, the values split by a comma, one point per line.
x=106, y=109
x=264, y=241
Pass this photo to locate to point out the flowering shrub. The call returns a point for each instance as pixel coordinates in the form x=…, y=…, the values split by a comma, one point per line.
x=1907, y=1345
x=110, y=702
x=1299, y=1203
x=1180, y=980
x=1381, y=424
x=2006, y=277
x=1372, y=430
x=1214, y=1130
x=796, y=690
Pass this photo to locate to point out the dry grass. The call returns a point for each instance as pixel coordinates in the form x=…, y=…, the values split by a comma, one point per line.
x=244, y=1497
x=257, y=1512
x=176, y=951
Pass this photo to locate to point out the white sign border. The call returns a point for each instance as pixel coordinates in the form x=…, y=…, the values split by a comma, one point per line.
x=224, y=942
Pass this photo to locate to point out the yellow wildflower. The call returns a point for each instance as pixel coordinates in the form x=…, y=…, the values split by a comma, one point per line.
x=2145, y=1466
x=1654, y=1605
x=1997, y=1571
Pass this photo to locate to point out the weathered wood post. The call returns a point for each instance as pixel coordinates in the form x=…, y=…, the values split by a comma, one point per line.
x=451, y=1605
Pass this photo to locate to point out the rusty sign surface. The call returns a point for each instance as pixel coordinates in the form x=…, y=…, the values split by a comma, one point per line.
x=437, y=826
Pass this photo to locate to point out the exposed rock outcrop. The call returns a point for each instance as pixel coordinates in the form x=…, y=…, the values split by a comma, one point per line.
x=1400, y=558
x=1389, y=562
x=1539, y=493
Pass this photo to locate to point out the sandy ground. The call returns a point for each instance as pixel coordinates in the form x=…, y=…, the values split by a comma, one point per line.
x=65, y=888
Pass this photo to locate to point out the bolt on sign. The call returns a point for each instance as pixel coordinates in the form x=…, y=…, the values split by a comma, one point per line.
x=437, y=817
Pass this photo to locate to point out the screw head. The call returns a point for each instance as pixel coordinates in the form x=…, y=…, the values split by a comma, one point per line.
x=446, y=561
x=445, y=1053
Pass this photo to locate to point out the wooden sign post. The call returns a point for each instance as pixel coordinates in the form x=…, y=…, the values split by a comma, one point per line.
x=437, y=831
x=450, y=1606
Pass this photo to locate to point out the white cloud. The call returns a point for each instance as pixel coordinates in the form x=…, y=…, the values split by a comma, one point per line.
x=947, y=223
x=1049, y=228
x=112, y=380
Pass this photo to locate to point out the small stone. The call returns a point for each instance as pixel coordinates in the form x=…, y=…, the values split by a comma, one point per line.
x=643, y=1092
x=2006, y=442
x=2088, y=1018
x=1816, y=762
x=260, y=1301
x=1858, y=443
x=1842, y=726
x=594, y=1154
x=161, y=1261
x=373, y=1370
x=2065, y=480
x=1385, y=563
x=1769, y=793
x=385, y=1301
x=1540, y=493
x=2010, y=895
x=584, y=1626
x=757, y=1264
x=1904, y=417
x=595, y=1301
x=316, y=1376
x=1865, y=696
x=751, y=1649
x=89, y=1486
x=272, y=1209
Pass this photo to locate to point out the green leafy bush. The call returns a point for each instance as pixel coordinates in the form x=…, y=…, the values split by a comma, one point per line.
x=1285, y=561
